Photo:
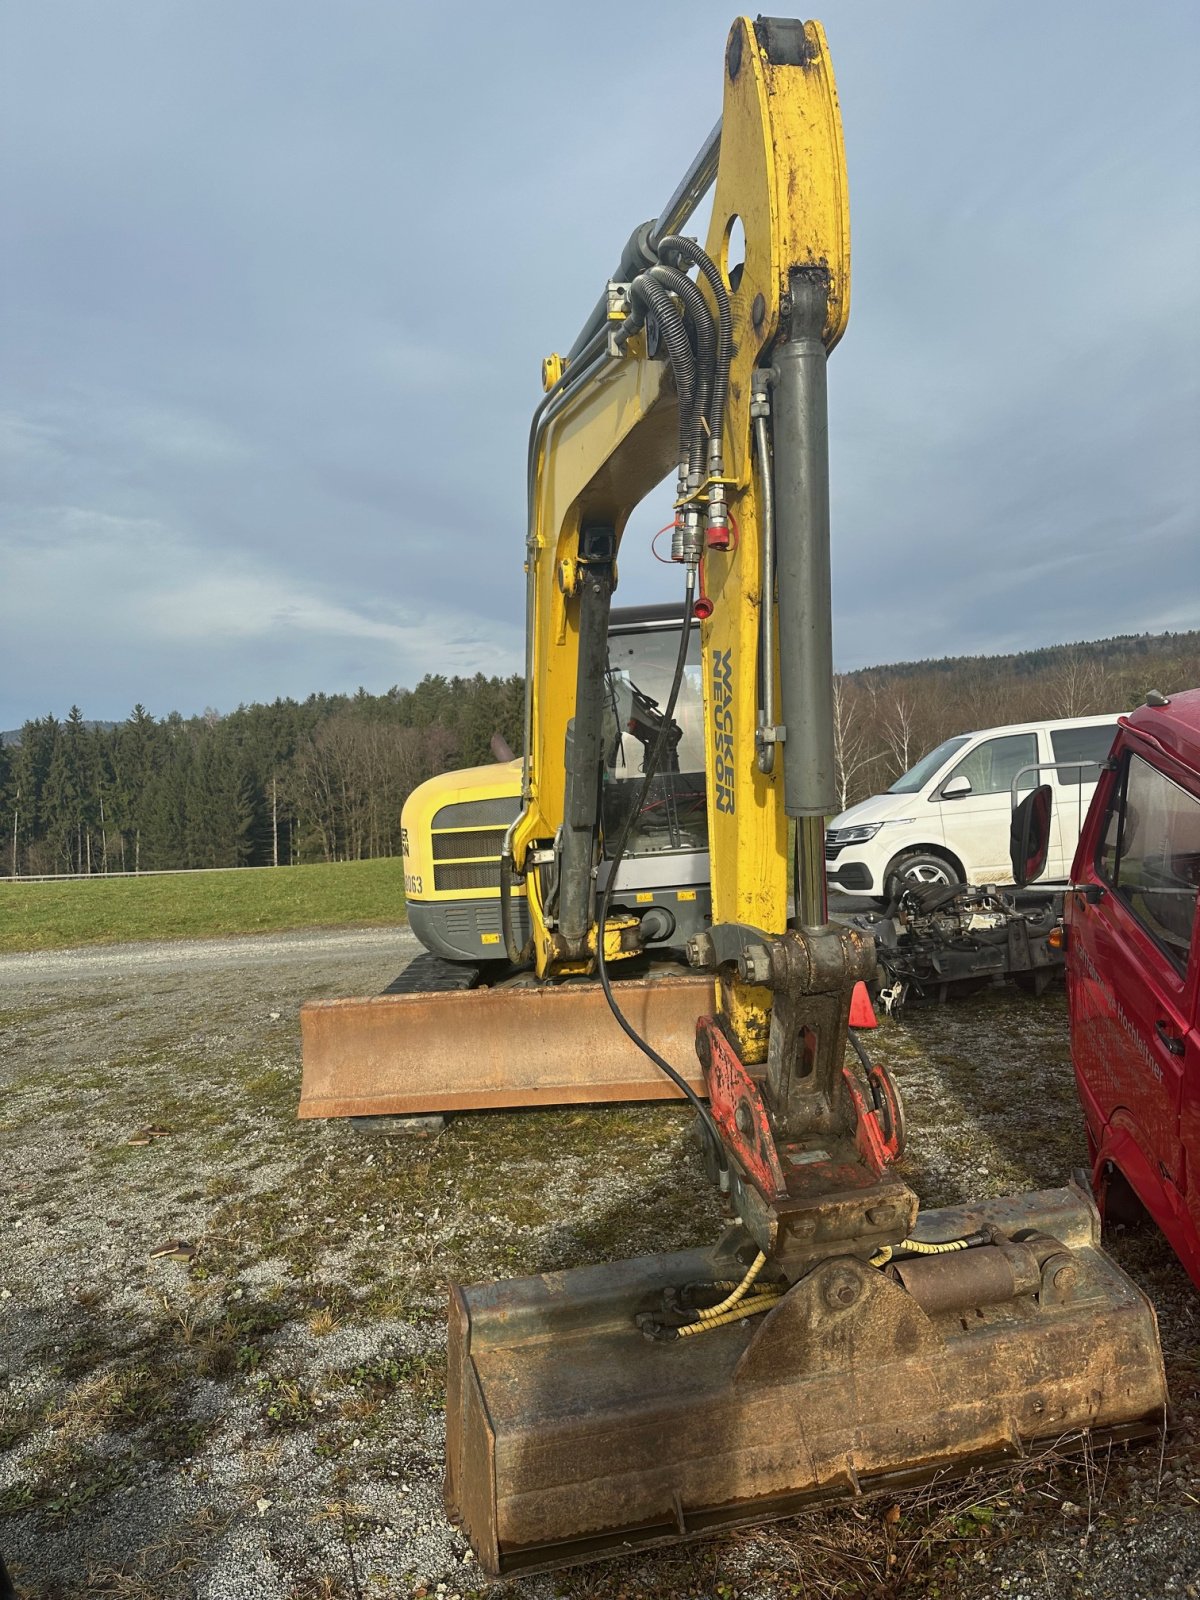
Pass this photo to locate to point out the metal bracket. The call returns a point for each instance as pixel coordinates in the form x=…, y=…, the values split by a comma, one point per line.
x=733, y=944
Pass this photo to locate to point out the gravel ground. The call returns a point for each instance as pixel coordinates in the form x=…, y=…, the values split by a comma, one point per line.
x=260, y=1417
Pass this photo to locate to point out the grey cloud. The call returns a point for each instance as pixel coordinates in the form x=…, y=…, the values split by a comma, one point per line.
x=277, y=280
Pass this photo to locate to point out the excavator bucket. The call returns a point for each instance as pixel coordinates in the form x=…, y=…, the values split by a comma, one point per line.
x=411, y=1054
x=571, y=1436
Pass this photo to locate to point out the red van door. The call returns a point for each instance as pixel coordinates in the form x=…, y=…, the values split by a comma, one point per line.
x=1132, y=960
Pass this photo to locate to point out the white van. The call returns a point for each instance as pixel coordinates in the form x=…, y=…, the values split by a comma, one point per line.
x=948, y=817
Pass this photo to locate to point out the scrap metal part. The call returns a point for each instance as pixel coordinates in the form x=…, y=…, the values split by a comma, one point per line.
x=570, y=1436
x=937, y=940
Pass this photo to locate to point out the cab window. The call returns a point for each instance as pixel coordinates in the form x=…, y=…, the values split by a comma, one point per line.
x=1150, y=855
x=992, y=765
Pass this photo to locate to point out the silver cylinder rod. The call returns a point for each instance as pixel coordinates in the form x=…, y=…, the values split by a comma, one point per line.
x=639, y=252
x=693, y=186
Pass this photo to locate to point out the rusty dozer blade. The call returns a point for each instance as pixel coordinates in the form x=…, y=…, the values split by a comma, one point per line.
x=570, y=1436
x=512, y=1045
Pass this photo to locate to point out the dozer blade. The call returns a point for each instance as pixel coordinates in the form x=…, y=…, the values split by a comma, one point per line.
x=406, y=1054
x=570, y=1436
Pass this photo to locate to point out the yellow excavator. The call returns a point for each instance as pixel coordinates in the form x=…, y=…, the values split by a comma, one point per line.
x=835, y=1339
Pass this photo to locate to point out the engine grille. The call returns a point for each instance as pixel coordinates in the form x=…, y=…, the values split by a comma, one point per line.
x=478, y=813
x=464, y=846
x=467, y=875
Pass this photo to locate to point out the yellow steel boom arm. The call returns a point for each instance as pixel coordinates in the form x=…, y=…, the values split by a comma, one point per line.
x=607, y=436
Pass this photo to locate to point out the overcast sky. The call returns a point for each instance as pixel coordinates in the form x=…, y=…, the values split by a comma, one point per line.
x=276, y=279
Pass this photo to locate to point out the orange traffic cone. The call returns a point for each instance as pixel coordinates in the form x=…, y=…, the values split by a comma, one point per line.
x=861, y=1013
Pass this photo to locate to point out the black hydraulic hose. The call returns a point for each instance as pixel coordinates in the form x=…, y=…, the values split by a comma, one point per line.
x=512, y=950
x=651, y=296
x=650, y=767
x=688, y=250
x=705, y=330
x=860, y=1050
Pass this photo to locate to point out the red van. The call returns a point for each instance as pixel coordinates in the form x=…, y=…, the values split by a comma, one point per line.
x=1133, y=967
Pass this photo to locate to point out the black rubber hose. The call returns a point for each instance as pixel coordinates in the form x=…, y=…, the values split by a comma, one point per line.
x=514, y=952
x=696, y=307
x=648, y=771
x=652, y=297
x=860, y=1050
x=688, y=250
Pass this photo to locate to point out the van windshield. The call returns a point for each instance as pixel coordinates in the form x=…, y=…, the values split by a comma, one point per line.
x=917, y=777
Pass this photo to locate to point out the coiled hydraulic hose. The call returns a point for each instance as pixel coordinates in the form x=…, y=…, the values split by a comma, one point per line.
x=683, y=249
x=742, y=1289
x=918, y=1247
x=747, y=1308
x=696, y=307
x=647, y=295
x=734, y=1307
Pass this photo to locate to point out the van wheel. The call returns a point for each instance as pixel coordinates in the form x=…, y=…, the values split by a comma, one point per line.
x=918, y=867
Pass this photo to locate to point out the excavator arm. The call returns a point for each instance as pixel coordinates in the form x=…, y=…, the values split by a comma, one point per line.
x=609, y=431
x=722, y=379
x=832, y=1340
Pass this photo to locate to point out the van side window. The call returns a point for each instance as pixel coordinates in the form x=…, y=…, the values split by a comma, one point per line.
x=1150, y=854
x=992, y=765
x=1081, y=744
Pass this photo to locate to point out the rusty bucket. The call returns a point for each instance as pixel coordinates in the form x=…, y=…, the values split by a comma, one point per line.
x=570, y=1436
x=549, y=1044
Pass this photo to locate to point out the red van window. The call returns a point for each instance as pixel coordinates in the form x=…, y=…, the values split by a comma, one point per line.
x=1150, y=854
x=1087, y=745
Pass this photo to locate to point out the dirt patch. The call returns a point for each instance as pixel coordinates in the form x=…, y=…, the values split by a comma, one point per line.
x=259, y=1416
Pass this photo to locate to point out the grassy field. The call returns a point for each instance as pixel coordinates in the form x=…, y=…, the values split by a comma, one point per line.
x=57, y=916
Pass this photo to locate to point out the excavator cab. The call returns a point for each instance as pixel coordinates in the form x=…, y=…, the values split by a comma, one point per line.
x=461, y=1029
x=453, y=826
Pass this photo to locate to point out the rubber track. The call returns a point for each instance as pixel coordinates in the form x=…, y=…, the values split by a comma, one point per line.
x=429, y=974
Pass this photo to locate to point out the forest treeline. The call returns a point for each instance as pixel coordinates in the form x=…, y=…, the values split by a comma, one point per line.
x=317, y=780
x=324, y=779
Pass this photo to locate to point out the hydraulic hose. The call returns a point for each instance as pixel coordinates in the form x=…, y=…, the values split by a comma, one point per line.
x=590, y=357
x=705, y=330
x=874, y=1072
x=649, y=769
x=918, y=1247
x=767, y=1301
x=648, y=295
x=737, y=1305
x=688, y=250
x=738, y=1293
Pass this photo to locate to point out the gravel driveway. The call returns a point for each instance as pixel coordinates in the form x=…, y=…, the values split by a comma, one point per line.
x=258, y=1413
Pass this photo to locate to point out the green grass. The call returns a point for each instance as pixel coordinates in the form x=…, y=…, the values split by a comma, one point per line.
x=198, y=905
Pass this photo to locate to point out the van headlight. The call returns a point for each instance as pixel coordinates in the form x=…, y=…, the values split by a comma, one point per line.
x=859, y=834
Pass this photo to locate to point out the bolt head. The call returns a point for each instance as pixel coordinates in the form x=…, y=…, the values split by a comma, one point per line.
x=841, y=1289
